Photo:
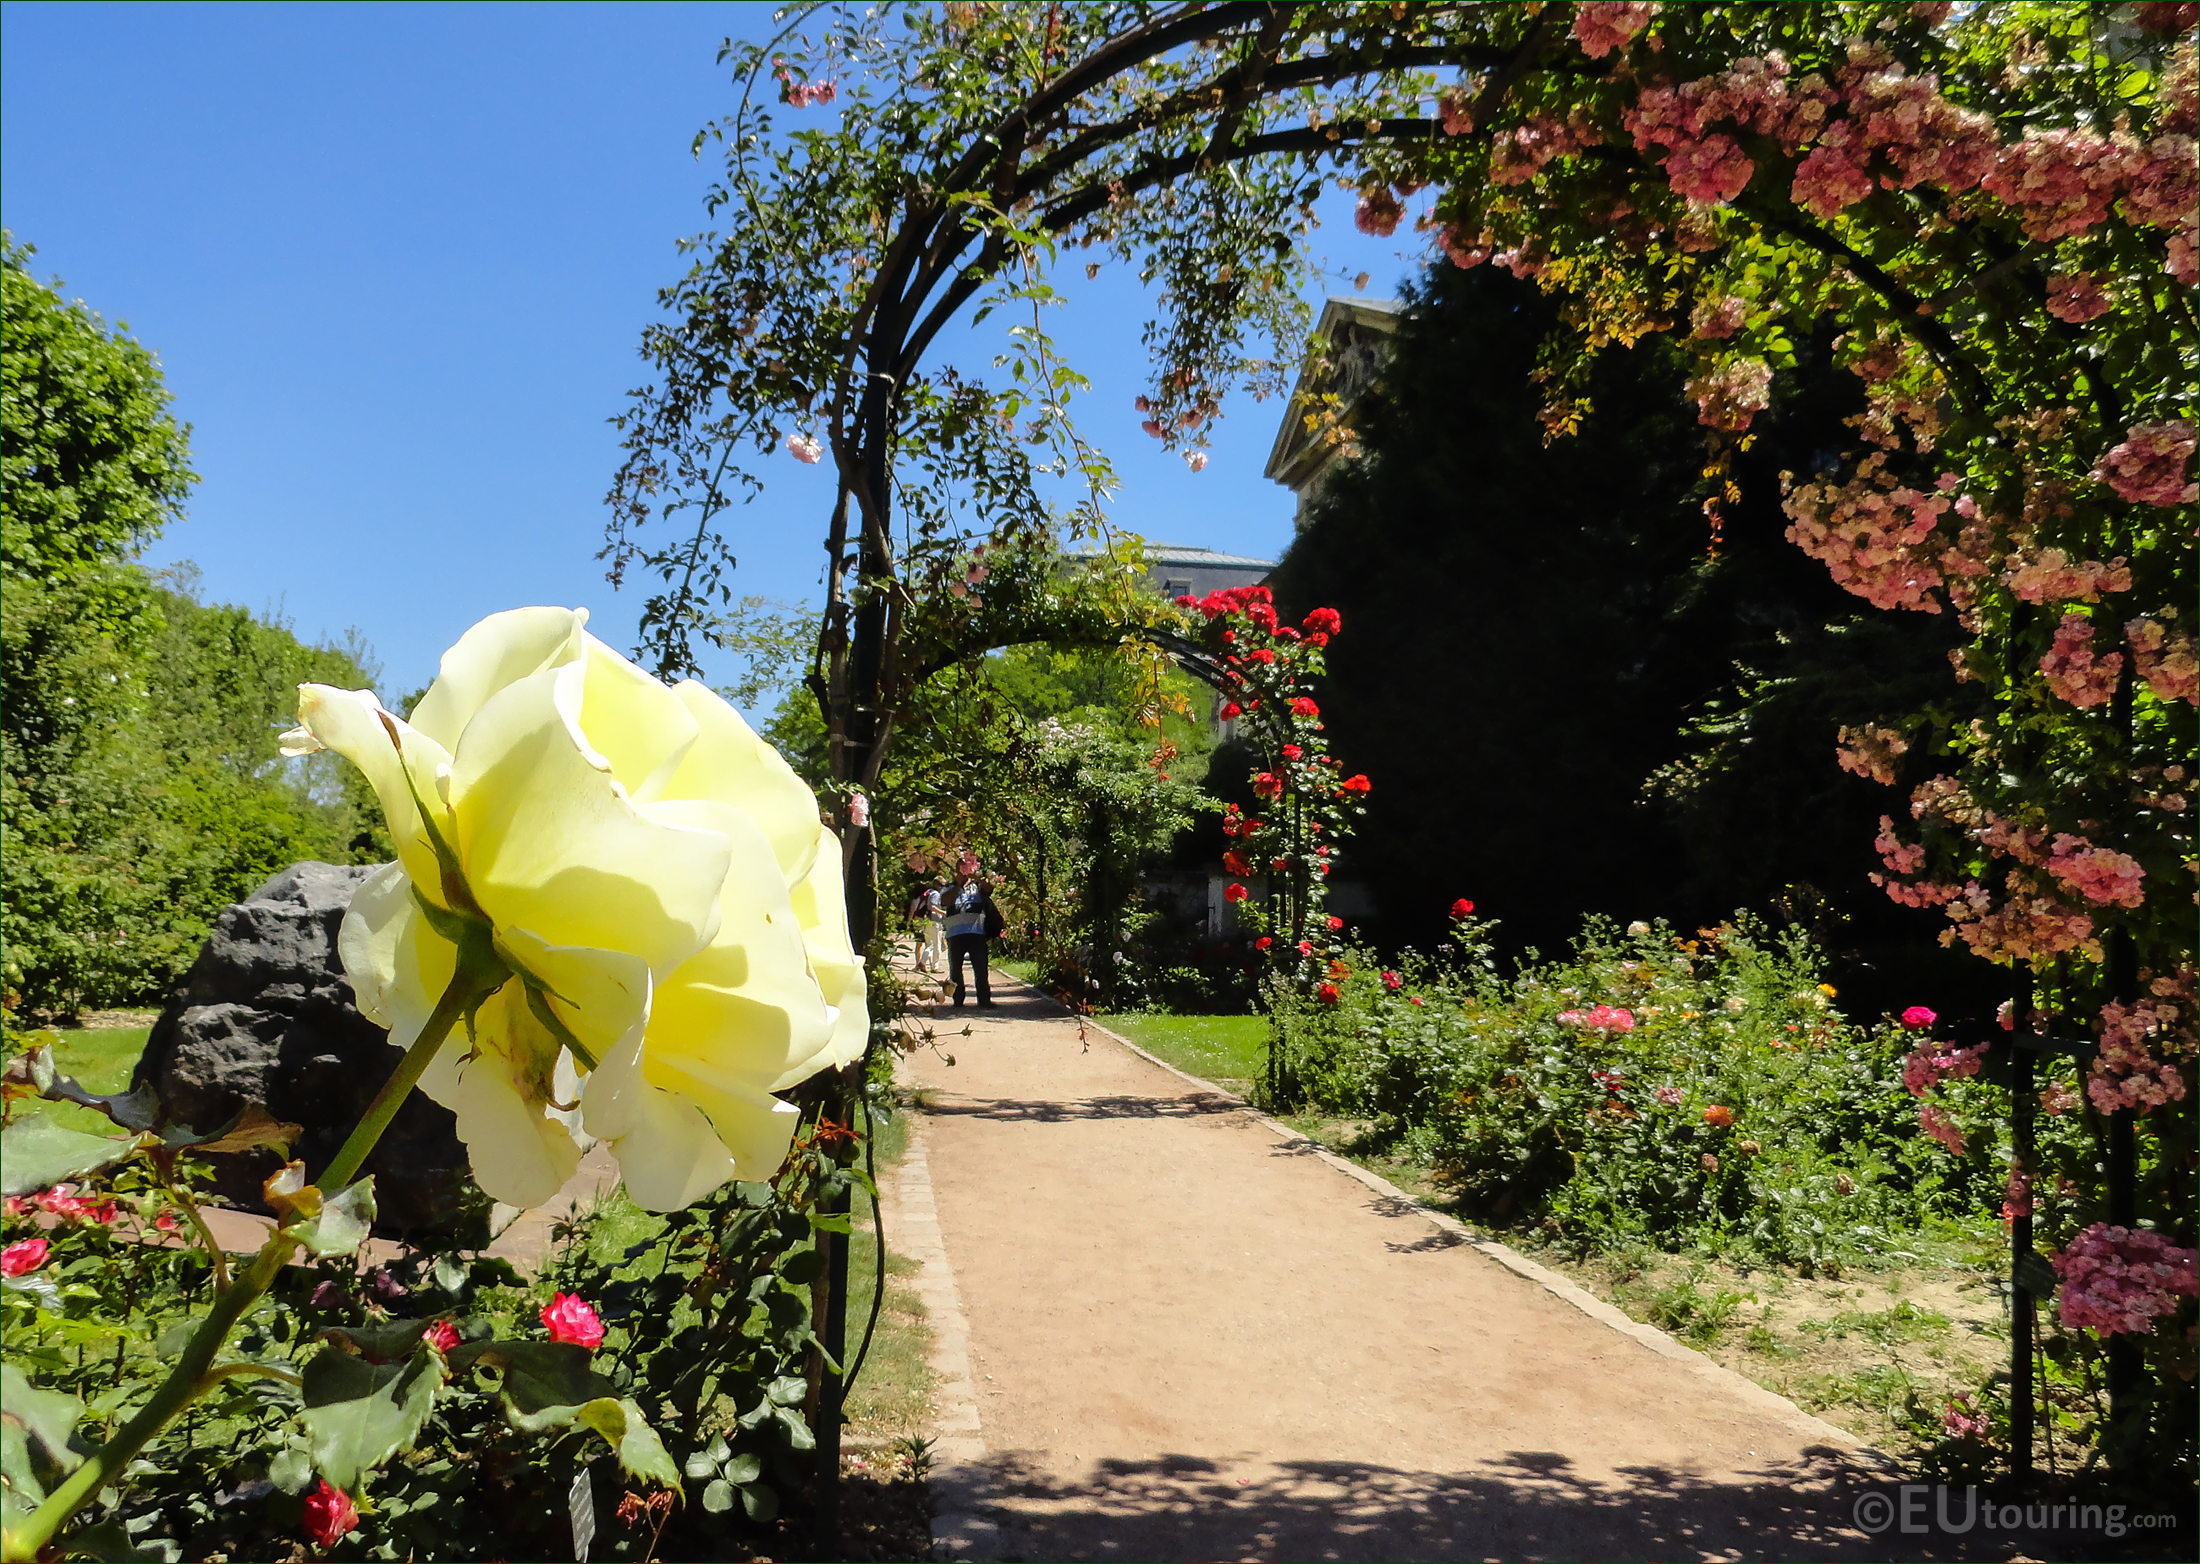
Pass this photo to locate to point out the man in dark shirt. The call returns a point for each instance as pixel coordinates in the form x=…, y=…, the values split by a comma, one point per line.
x=966, y=909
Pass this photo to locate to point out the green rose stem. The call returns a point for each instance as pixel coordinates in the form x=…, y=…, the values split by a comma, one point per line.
x=195, y=1373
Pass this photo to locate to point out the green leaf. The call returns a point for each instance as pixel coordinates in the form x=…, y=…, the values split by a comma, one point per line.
x=358, y=1414
x=341, y=1225
x=386, y=1342
x=744, y=1468
x=292, y=1471
x=36, y=1154
x=760, y=1501
x=718, y=1496
x=628, y=1433
x=788, y=1390
x=110, y=1541
x=545, y=1382
x=699, y=1464
x=46, y=1417
x=133, y=1110
x=548, y=1386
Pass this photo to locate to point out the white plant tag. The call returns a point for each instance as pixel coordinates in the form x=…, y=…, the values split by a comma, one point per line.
x=581, y=1503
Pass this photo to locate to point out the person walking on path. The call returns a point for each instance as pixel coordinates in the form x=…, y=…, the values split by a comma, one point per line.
x=924, y=911
x=970, y=919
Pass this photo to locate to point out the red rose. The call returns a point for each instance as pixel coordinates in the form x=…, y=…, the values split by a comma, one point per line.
x=1323, y=621
x=1302, y=707
x=1230, y=710
x=1292, y=752
x=23, y=1258
x=1261, y=655
x=1237, y=865
x=1462, y=908
x=569, y=1319
x=1355, y=784
x=1328, y=994
x=329, y=1515
x=1234, y=892
x=1317, y=639
x=1393, y=982
x=1335, y=922
x=1306, y=947
x=1917, y=1018
x=1263, y=943
x=443, y=1336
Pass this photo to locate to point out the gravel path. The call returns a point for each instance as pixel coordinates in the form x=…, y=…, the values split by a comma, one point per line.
x=1170, y=1329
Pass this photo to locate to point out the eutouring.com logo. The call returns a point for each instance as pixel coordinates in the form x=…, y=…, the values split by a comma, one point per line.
x=1920, y=1509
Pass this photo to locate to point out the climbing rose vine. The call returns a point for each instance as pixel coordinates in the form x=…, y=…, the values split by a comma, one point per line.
x=1304, y=804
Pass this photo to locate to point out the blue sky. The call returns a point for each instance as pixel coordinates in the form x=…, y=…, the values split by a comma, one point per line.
x=396, y=261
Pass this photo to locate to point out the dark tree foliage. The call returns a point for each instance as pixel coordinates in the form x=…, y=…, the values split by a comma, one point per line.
x=1571, y=699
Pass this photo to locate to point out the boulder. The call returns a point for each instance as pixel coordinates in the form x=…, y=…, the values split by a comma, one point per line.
x=265, y=1016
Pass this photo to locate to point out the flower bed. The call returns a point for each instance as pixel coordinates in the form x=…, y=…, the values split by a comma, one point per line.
x=1700, y=1093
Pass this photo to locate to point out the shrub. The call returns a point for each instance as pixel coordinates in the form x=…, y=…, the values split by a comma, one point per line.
x=1701, y=1092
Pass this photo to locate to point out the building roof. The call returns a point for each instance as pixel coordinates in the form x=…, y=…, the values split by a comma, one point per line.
x=1354, y=330
x=1188, y=554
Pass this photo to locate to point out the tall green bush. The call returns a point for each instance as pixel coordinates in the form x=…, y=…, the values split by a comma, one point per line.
x=140, y=788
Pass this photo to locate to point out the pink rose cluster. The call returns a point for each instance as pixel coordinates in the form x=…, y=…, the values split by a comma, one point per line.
x=2076, y=297
x=1871, y=751
x=1728, y=395
x=2149, y=467
x=1926, y=1068
x=1602, y=1018
x=1716, y=319
x=1958, y=1420
x=64, y=1202
x=2126, y=1073
x=1875, y=124
x=1519, y=154
x=2120, y=1280
x=1600, y=26
x=1937, y=1122
x=1666, y=1096
x=1378, y=212
x=2167, y=660
x=2030, y=925
x=2075, y=672
x=803, y=95
x=2051, y=576
x=1873, y=535
x=2103, y=877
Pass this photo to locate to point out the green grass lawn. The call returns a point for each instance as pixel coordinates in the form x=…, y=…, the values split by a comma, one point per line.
x=1231, y=1051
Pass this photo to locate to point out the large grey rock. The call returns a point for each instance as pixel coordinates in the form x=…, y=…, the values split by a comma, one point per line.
x=265, y=1016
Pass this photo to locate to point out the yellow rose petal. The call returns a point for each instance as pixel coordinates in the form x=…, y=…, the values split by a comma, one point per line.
x=501, y=650
x=552, y=844
x=730, y=764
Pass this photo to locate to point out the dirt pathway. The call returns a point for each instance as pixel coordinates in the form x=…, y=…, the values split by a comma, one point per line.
x=1171, y=1330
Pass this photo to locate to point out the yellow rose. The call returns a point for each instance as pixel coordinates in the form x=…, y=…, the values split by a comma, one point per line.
x=655, y=879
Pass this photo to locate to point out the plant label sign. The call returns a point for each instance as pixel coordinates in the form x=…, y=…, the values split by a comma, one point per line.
x=581, y=1504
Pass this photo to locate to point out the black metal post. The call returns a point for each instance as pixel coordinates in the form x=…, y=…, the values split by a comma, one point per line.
x=833, y=1333
x=2023, y=1308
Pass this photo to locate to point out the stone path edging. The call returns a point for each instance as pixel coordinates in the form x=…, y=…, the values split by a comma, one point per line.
x=959, y=1482
x=1550, y=1281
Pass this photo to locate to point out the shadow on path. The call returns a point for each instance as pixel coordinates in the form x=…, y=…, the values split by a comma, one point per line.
x=1533, y=1506
x=943, y=1105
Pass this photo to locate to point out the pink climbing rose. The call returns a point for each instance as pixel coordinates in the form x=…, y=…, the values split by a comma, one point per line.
x=2119, y=1280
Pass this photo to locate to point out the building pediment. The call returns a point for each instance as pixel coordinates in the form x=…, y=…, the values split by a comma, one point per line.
x=1351, y=340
